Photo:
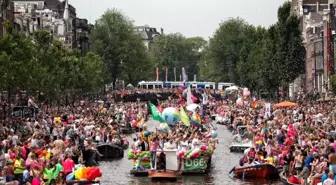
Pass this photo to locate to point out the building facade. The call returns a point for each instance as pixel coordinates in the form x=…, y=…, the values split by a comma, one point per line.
x=82, y=32
x=318, y=31
x=148, y=34
x=6, y=14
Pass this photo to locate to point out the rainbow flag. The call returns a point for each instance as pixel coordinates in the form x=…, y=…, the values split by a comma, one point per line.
x=196, y=120
x=139, y=123
x=255, y=105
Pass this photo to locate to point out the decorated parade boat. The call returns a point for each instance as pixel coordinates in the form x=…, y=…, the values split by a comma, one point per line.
x=261, y=171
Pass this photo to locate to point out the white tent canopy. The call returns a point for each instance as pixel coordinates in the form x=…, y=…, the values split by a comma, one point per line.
x=193, y=107
x=231, y=88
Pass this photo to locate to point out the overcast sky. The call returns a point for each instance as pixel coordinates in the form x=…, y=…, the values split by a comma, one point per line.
x=189, y=17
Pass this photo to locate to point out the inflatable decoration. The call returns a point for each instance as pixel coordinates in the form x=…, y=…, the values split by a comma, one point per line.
x=57, y=120
x=70, y=176
x=130, y=154
x=239, y=102
x=146, y=133
x=213, y=134
x=89, y=173
x=246, y=93
x=93, y=173
x=170, y=115
x=163, y=127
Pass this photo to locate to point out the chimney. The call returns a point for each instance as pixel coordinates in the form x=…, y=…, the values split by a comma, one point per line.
x=161, y=31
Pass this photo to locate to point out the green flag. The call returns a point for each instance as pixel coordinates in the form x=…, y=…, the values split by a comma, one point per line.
x=155, y=113
x=184, y=117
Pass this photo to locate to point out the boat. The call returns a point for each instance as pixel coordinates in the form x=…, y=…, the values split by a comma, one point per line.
x=127, y=128
x=221, y=120
x=260, y=171
x=82, y=182
x=240, y=147
x=167, y=166
x=110, y=151
x=163, y=174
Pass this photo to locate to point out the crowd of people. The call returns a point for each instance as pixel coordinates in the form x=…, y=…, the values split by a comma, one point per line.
x=44, y=149
x=298, y=138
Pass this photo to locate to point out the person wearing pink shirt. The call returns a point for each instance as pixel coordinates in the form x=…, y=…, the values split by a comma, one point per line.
x=330, y=180
x=153, y=148
x=68, y=164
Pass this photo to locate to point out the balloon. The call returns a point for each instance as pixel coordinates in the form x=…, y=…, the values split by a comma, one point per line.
x=93, y=173
x=239, y=102
x=57, y=120
x=213, y=134
x=170, y=115
x=246, y=93
x=163, y=127
x=70, y=176
x=245, y=89
x=146, y=133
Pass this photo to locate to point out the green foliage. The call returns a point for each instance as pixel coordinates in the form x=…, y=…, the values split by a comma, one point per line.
x=176, y=51
x=124, y=55
x=41, y=63
x=255, y=57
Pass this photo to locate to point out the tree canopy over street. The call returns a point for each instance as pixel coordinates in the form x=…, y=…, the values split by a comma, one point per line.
x=253, y=56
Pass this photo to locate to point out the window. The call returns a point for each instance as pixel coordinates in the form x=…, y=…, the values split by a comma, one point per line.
x=150, y=87
x=319, y=62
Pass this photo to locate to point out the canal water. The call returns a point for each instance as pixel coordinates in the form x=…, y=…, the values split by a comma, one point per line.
x=117, y=172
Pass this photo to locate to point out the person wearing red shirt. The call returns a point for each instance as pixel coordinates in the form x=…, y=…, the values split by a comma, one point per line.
x=68, y=164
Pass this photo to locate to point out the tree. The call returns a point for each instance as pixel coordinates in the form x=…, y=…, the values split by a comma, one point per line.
x=39, y=63
x=231, y=43
x=114, y=40
x=15, y=55
x=290, y=50
x=176, y=51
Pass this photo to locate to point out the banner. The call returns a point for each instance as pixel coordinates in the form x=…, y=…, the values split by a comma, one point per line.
x=268, y=110
x=175, y=74
x=157, y=74
x=197, y=164
x=166, y=74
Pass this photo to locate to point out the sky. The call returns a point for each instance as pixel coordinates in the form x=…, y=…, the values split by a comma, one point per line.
x=189, y=17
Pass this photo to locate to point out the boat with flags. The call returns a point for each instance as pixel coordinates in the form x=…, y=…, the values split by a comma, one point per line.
x=170, y=159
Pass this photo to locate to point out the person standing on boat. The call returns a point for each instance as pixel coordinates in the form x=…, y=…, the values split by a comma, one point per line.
x=153, y=149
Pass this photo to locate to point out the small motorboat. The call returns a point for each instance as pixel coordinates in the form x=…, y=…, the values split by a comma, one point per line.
x=110, y=151
x=163, y=174
x=221, y=120
x=127, y=128
x=240, y=147
x=260, y=171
